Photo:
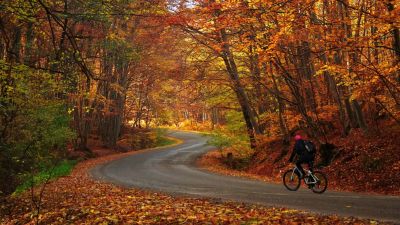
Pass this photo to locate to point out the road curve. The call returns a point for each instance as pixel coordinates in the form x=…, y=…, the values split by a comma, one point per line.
x=173, y=170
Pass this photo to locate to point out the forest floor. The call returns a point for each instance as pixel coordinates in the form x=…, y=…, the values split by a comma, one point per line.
x=360, y=164
x=78, y=199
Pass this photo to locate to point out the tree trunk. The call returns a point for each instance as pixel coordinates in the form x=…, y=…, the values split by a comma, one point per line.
x=256, y=77
x=14, y=54
x=350, y=114
x=396, y=39
x=251, y=124
x=282, y=121
x=28, y=45
x=359, y=116
x=82, y=119
x=299, y=99
x=336, y=94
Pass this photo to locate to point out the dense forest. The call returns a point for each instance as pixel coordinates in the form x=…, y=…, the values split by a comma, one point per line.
x=252, y=71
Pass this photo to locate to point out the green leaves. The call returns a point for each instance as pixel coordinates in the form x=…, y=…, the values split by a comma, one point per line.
x=35, y=123
x=24, y=11
x=120, y=50
x=62, y=169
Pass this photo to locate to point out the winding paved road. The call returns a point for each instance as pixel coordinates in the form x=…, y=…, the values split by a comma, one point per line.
x=172, y=170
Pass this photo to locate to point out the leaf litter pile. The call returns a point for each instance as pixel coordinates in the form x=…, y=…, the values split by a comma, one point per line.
x=77, y=199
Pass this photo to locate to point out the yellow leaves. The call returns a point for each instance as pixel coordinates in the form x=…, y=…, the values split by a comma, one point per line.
x=131, y=197
x=290, y=211
x=113, y=219
x=339, y=72
x=113, y=36
x=94, y=211
x=322, y=70
x=70, y=111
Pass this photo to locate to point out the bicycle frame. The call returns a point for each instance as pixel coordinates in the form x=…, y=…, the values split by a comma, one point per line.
x=309, y=173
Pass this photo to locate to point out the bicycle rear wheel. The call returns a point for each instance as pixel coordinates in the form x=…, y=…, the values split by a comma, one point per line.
x=291, y=180
x=322, y=183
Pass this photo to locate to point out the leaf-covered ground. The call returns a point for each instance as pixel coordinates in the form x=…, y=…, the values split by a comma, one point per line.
x=77, y=199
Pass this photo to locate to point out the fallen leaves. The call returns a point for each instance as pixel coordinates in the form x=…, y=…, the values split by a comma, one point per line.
x=77, y=199
x=358, y=165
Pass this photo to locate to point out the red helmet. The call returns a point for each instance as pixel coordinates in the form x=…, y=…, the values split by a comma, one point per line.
x=297, y=137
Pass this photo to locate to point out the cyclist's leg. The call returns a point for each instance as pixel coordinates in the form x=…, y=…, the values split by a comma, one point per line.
x=311, y=164
x=300, y=161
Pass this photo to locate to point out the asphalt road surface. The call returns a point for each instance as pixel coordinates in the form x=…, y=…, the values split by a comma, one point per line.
x=172, y=170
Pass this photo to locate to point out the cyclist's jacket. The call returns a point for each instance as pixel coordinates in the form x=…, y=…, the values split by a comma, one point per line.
x=298, y=149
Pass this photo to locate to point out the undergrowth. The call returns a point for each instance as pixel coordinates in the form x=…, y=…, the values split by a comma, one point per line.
x=64, y=168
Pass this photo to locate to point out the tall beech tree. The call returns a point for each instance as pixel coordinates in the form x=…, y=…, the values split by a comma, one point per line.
x=210, y=27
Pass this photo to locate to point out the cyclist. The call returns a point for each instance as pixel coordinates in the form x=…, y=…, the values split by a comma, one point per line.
x=304, y=156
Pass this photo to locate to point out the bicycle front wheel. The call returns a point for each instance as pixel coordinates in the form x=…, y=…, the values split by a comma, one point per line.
x=321, y=183
x=291, y=180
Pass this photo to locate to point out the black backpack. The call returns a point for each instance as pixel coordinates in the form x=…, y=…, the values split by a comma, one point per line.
x=310, y=147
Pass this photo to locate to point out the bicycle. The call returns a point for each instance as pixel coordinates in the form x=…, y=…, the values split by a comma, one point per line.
x=316, y=180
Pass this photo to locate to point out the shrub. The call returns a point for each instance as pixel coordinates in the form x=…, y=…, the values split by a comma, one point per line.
x=327, y=152
x=161, y=139
x=372, y=164
x=142, y=138
x=34, y=124
x=64, y=168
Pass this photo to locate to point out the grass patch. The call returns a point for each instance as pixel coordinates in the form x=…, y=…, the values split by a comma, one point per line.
x=161, y=139
x=62, y=169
